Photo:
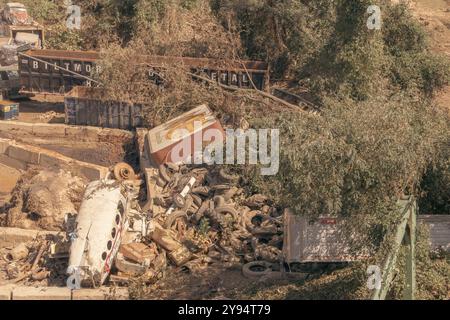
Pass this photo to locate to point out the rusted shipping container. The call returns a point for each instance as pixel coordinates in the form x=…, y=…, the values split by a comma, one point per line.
x=83, y=106
x=58, y=71
x=54, y=71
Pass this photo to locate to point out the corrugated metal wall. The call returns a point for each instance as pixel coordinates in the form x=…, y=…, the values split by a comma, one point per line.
x=82, y=109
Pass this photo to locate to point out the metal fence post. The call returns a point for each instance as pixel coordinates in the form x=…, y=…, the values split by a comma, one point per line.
x=406, y=230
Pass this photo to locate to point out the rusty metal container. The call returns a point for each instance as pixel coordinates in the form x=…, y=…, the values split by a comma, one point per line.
x=85, y=106
x=315, y=241
x=39, y=75
x=163, y=139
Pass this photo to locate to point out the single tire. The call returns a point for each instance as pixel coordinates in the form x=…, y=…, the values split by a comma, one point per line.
x=197, y=200
x=179, y=201
x=228, y=177
x=219, y=201
x=202, y=191
x=170, y=220
x=164, y=174
x=228, y=195
x=172, y=166
x=161, y=182
x=202, y=210
x=123, y=171
x=249, y=217
x=221, y=187
x=257, y=269
x=227, y=209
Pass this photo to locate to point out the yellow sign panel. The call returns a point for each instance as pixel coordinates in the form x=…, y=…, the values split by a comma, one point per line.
x=186, y=123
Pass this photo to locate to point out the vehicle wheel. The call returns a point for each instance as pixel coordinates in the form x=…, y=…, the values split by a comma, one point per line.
x=123, y=171
x=231, y=178
x=173, y=217
x=257, y=269
x=164, y=174
x=179, y=201
x=222, y=211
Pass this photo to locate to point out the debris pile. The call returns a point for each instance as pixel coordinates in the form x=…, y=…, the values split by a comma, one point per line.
x=200, y=217
x=30, y=263
x=42, y=200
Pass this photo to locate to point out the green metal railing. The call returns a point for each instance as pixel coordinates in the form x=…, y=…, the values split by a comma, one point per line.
x=405, y=235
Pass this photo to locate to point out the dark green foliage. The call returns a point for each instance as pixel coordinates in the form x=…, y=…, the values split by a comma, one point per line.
x=436, y=185
x=402, y=32
x=356, y=159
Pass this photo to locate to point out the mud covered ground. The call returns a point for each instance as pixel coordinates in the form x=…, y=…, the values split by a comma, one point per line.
x=103, y=154
x=50, y=109
x=8, y=180
x=42, y=109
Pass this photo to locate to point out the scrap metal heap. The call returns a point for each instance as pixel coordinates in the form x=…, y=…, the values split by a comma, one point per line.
x=200, y=218
x=212, y=223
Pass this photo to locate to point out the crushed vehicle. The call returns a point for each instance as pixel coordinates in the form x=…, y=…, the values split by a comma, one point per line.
x=97, y=233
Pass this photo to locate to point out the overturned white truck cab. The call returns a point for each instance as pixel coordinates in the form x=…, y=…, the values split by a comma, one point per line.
x=97, y=233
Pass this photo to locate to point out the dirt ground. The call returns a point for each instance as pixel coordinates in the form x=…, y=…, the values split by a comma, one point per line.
x=435, y=17
x=50, y=109
x=217, y=283
x=100, y=153
x=103, y=154
x=8, y=180
x=42, y=109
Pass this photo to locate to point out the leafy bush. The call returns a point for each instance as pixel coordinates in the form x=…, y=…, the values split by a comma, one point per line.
x=356, y=159
x=61, y=38
x=436, y=185
x=401, y=31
